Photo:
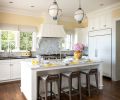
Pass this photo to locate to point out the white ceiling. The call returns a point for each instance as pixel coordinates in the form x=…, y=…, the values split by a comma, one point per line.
x=68, y=6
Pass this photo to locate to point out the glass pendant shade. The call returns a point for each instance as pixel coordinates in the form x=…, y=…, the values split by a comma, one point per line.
x=54, y=11
x=79, y=15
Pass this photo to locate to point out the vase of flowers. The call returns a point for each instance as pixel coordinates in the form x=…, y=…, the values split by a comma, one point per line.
x=78, y=49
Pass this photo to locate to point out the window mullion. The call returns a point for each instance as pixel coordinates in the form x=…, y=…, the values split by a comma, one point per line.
x=26, y=40
x=17, y=40
x=0, y=42
x=33, y=41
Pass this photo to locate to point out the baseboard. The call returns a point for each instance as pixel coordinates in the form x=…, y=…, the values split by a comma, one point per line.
x=9, y=81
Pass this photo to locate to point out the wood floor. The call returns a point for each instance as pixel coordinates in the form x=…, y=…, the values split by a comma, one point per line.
x=111, y=91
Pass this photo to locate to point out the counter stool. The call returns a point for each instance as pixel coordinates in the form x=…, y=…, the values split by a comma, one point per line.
x=88, y=73
x=72, y=91
x=48, y=79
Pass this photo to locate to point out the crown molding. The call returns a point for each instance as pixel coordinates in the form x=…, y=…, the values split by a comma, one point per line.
x=105, y=9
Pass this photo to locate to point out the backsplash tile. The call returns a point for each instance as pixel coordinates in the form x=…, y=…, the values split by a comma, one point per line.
x=49, y=46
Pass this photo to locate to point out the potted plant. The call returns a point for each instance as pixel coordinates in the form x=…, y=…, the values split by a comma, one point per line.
x=78, y=49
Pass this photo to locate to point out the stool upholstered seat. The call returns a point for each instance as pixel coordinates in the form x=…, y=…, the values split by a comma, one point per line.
x=88, y=73
x=69, y=76
x=48, y=79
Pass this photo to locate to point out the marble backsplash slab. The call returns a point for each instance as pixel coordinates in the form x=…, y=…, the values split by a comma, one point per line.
x=49, y=46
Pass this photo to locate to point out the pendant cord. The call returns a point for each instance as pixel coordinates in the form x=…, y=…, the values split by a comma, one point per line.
x=79, y=3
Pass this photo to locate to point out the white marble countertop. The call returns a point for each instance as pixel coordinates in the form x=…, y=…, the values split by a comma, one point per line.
x=61, y=65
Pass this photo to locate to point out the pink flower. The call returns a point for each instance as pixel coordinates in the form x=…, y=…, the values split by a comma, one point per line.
x=78, y=47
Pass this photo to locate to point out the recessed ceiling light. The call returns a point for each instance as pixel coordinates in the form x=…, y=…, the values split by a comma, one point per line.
x=32, y=6
x=11, y=2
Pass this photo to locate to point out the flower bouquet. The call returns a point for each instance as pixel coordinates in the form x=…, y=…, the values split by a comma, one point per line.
x=78, y=49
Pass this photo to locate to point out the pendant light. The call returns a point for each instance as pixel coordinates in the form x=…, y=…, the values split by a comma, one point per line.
x=54, y=10
x=79, y=14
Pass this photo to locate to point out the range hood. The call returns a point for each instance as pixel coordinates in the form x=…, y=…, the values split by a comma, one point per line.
x=50, y=28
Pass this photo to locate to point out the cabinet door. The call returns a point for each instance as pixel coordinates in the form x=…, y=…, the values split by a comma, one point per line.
x=96, y=23
x=4, y=70
x=92, y=47
x=91, y=24
x=103, y=21
x=15, y=69
x=108, y=20
x=104, y=53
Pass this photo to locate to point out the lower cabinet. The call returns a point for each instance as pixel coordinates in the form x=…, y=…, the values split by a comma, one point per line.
x=10, y=69
x=15, y=69
x=4, y=70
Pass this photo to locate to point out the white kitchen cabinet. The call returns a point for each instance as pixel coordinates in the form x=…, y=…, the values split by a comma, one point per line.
x=15, y=69
x=108, y=20
x=91, y=24
x=100, y=21
x=10, y=69
x=100, y=48
x=4, y=70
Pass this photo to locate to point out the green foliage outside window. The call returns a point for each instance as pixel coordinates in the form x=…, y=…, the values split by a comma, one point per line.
x=25, y=40
x=7, y=40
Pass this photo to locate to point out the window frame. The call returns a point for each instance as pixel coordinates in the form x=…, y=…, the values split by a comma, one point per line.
x=71, y=41
x=17, y=41
x=15, y=34
x=33, y=42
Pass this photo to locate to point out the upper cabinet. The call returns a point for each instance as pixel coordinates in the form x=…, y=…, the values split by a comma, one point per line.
x=99, y=21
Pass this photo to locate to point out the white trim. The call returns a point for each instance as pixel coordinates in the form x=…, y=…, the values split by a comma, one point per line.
x=10, y=80
x=0, y=41
x=34, y=37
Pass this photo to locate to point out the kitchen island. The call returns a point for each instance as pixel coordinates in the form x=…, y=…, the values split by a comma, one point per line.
x=29, y=74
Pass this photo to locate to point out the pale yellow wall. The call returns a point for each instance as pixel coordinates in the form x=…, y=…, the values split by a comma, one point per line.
x=73, y=25
x=116, y=13
x=20, y=19
x=35, y=21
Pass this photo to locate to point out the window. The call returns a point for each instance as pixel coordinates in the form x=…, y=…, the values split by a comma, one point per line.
x=17, y=38
x=25, y=40
x=7, y=40
x=68, y=42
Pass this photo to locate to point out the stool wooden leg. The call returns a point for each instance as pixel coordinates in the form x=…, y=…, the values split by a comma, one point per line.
x=96, y=76
x=58, y=86
x=79, y=84
x=50, y=90
x=45, y=84
x=70, y=88
x=88, y=84
x=38, y=88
